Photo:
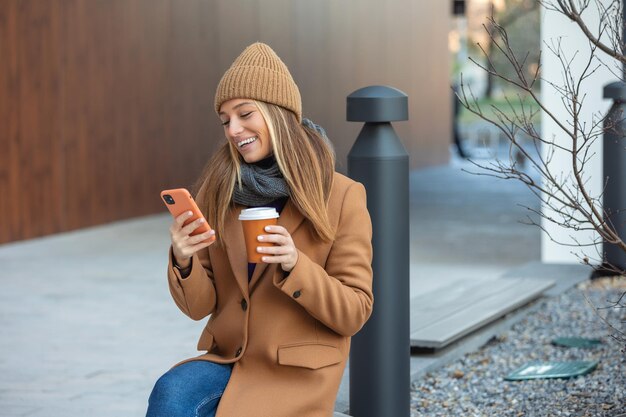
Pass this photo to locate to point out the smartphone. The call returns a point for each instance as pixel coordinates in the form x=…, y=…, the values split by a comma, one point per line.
x=178, y=201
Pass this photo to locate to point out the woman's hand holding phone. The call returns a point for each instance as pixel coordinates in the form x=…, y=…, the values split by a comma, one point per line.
x=184, y=245
x=190, y=231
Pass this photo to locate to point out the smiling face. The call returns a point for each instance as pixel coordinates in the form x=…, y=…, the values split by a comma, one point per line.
x=246, y=129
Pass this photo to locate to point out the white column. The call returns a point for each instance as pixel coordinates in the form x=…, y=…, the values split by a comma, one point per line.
x=553, y=27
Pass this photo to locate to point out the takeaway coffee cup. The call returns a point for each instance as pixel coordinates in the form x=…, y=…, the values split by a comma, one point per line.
x=254, y=221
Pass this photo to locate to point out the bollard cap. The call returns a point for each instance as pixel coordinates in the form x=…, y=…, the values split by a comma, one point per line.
x=615, y=90
x=377, y=103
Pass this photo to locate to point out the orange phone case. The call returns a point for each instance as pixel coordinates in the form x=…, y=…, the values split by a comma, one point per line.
x=180, y=200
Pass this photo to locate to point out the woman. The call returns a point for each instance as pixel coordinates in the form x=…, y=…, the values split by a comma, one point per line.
x=278, y=335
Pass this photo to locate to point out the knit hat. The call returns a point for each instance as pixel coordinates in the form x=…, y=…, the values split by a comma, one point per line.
x=259, y=74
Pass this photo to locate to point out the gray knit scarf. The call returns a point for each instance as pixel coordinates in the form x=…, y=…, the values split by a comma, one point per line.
x=262, y=184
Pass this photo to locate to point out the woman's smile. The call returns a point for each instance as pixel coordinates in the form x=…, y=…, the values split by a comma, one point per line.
x=243, y=144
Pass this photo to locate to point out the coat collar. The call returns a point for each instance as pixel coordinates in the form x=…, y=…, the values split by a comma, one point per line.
x=290, y=218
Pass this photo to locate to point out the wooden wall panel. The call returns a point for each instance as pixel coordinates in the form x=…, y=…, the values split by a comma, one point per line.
x=105, y=103
x=194, y=133
x=432, y=107
x=115, y=56
x=10, y=222
x=40, y=128
x=343, y=80
x=313, y=69
x=31, y=135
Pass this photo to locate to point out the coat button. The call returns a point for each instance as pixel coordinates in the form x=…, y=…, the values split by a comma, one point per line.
x=297, y=294
x=244, y=305
x=238, y=352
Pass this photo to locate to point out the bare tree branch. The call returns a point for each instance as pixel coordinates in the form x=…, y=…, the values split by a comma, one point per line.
x=575, y=196
x=568, y=9
x=566, y=198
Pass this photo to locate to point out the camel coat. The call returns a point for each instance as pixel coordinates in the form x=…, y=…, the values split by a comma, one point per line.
x=287, y=336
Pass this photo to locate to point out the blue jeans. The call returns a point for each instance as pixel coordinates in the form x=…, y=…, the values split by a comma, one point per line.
x=192, y=389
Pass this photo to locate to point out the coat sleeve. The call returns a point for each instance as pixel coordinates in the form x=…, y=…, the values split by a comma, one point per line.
x=339, y=295
x=194, y=295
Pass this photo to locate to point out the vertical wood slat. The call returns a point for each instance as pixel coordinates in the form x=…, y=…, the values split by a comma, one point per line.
x=34, y=131
x=195, y=133
x=344, y=80
x=116, y=57
x=9, y=118
x=103, y=104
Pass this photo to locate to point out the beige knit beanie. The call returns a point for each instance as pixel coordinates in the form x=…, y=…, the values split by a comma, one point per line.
x=259, y=74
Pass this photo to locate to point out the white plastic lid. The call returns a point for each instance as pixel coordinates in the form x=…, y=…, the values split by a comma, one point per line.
x=258, y=213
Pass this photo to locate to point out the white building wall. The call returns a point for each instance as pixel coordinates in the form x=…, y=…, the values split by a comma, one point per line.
x=553, y=27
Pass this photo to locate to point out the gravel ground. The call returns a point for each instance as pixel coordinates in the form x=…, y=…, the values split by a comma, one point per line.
x=474, y=385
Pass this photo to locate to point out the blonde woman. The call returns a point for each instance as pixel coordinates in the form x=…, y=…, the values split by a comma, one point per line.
x=278, y=334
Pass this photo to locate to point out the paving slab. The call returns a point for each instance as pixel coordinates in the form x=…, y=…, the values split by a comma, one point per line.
x=441, y=317
x=88, y=323
x=564, y=276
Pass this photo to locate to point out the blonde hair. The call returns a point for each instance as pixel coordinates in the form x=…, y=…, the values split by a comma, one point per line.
x=305, y=159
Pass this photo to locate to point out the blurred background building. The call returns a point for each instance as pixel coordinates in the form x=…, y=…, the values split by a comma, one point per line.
x=105, y=103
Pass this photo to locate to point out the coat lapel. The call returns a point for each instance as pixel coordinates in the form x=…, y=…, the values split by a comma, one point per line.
x=290, y=218
x=236, y=248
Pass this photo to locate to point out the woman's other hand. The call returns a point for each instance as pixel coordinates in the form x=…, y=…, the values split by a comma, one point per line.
x=284, y=252
x=183, y=244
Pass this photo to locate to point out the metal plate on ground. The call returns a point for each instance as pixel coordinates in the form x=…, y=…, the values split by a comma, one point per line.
x=544, y=370
x=576, y=342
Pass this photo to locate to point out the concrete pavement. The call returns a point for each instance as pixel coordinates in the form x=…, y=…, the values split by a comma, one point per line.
x=88, y=324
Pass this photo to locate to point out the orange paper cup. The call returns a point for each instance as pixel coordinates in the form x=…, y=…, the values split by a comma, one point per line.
x=253, y=221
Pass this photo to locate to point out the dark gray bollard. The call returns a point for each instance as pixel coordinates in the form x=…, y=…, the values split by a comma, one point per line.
x=614, y=162
x=380, y=353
